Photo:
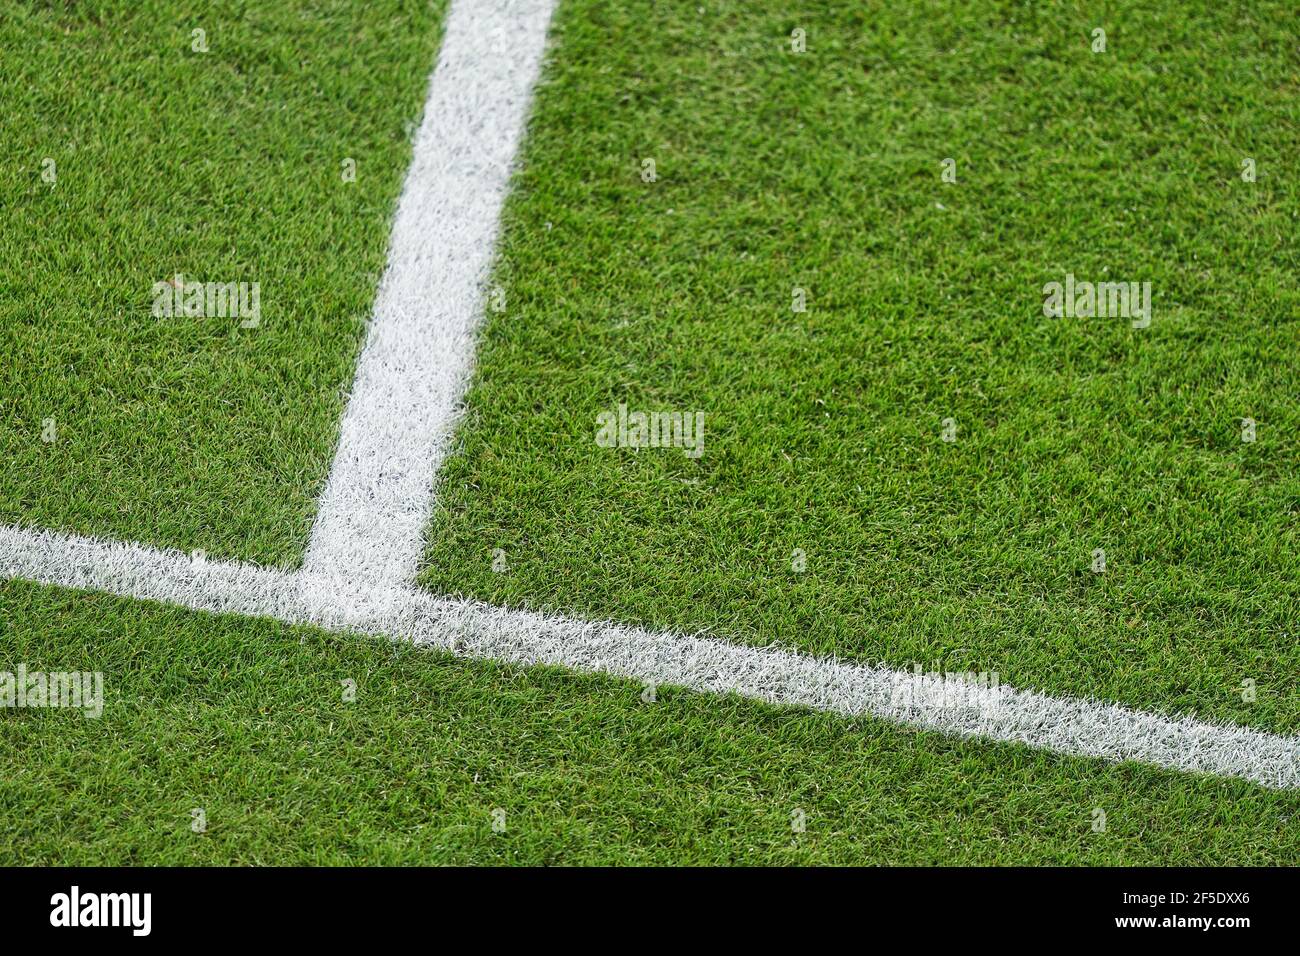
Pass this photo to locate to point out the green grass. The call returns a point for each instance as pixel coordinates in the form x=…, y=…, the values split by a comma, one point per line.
x=822, y=170
x=247, y=721
x=819, y=170
x=225, y=166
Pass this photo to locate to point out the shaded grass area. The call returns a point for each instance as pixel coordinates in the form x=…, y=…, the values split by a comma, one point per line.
x=224, y=166
x=822, y=171
x=247, y=721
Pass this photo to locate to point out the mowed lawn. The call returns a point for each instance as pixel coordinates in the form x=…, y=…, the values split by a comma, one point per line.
x=775, y=170
x=224, y=166
x=823, y=171
x=247, y=722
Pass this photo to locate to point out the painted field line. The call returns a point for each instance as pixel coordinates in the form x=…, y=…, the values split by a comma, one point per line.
x=1073, y=726
x=419, y=350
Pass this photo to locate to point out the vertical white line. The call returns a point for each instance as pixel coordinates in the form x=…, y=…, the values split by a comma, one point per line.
x=419, y=349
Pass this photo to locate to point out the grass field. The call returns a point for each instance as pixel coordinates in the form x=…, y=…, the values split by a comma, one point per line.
x=247, y=722
x=224, y=166
x=775, y=170
x=822, y=171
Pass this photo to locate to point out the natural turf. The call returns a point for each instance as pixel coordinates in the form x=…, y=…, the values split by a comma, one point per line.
x=247, y=721
x=225, y=166
x=819, y=170
x=822, y=170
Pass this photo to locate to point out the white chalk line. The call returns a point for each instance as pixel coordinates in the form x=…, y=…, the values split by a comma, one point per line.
x=419, y=351
x=411, y=378
x=1073, y=726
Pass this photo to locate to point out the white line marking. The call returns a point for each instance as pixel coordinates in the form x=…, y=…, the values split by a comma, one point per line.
x=413, y=370
x=1073, y=726
x=419, y=349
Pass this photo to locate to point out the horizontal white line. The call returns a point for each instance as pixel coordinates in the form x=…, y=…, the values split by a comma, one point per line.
x=419, y=348
x=1072, y=726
